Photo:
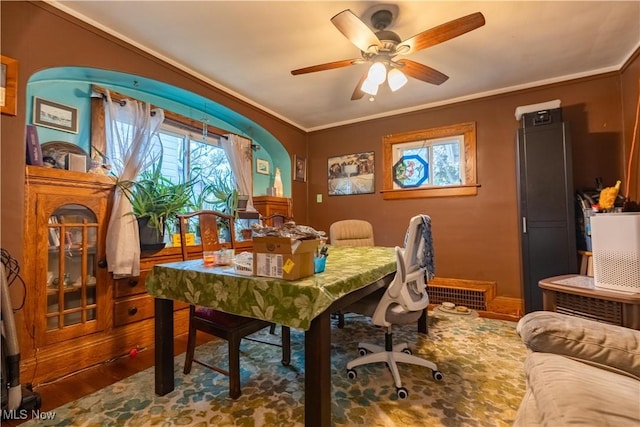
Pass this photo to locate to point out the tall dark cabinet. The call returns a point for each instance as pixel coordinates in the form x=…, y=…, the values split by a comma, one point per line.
x=546, y=208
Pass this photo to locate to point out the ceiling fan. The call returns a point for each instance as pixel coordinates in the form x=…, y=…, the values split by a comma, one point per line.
x=382, y=47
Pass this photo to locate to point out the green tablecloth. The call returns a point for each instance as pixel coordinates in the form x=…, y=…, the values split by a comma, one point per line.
x=291, y=303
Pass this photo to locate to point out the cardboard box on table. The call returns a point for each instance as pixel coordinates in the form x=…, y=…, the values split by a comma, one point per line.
x=283, y=258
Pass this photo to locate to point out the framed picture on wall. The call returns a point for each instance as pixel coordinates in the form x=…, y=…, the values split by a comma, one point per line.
x=8, y=85
x=262, y=166
x=351, y=174
x=54, y=115
x=300, y=168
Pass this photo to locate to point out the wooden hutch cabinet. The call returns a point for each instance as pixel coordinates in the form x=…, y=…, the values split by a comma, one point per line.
x=64, y=266
x=269, y=205
x=76, y=314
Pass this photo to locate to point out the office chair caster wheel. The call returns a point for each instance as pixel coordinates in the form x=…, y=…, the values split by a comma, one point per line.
x=352, y=374
x=402, y=392
x=437, y=375
x=407, y=351
x=362, y=351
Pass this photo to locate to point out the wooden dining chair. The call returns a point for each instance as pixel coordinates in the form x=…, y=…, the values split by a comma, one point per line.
x=230, y=327
x=275, y=220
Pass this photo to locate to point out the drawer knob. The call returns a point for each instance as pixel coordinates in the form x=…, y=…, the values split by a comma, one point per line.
x=133, y=282
x=102, y=263
x=133, y=310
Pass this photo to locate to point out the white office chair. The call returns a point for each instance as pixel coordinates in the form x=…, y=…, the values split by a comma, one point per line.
x=402, y=303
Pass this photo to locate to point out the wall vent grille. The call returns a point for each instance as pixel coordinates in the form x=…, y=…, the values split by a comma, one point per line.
x=589, y=308
x=472, y=294
x=472, y=299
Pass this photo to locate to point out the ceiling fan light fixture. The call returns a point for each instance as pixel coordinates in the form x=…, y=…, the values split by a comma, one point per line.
x=370, y=87
x=377, y=73
x=381, y=47
x=396, y=79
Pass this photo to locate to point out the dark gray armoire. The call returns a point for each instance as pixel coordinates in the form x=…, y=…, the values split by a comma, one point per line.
x=546, y=206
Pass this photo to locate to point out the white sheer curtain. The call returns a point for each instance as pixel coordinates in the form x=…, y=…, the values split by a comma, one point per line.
x=238, y=151
x=132, y=145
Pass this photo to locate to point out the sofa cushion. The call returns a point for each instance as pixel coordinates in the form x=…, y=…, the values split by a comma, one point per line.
x=598, y=343
x=528, y=414
x=571, y=393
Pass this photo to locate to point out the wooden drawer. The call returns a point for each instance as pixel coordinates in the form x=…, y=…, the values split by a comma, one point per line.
x=133, y=310
x=131, y=285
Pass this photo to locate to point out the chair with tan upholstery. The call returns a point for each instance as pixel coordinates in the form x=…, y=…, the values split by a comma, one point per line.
x=351, y=232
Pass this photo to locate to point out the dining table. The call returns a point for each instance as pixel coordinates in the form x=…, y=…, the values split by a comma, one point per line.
x=350, y=274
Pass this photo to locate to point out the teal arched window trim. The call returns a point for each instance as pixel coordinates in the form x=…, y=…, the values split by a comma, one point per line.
x=71, y=86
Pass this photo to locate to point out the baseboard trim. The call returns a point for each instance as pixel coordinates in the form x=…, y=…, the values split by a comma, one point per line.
x=494, y=307
x=506, y=307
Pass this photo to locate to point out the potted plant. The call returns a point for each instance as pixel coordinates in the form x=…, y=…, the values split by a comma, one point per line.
x=156, y=200
x=223, y=197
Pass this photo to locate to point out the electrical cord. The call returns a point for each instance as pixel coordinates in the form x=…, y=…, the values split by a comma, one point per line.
x=13, y=272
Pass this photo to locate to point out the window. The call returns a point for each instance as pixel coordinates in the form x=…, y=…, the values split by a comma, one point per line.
x=430, y=163
x=187, y=156
x=190, y=156
x=424, y=162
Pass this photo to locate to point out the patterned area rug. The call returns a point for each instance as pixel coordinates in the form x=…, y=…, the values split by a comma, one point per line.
x=481, y=360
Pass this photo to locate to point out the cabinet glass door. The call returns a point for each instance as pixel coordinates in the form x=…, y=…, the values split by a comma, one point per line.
x=72, y=267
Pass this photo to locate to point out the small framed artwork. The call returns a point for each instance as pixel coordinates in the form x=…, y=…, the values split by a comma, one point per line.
x=54, y=115
x=8, y=85
x=300, y=169
x=351, y=174
x=262, y=166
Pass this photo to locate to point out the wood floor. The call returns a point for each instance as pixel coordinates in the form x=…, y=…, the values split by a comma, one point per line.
x=78, y=385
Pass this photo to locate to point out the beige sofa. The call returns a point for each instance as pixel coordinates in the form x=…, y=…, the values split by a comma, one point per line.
x=579, y=372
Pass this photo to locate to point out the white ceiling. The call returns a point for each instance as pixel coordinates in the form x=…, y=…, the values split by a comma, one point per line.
x=248, y=48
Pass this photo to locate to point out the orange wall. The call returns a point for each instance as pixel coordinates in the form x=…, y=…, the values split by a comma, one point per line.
x=475, y=237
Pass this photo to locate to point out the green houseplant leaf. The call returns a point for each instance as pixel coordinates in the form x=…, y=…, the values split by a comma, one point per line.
x=156, y=197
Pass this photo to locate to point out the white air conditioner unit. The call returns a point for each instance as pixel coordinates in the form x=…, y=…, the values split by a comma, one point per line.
x=615, y=239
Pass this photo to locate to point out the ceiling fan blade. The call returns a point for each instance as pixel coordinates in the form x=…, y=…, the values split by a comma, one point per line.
x=422, y=72
x=358, y=93
x=441, y=33
x=355, y=30
x=327, y=66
